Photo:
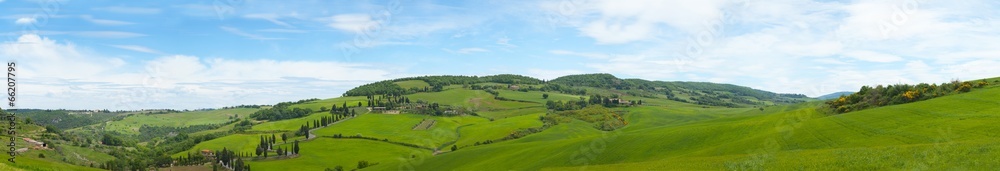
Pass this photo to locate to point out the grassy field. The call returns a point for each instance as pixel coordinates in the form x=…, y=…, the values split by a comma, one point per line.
x=398, y=128
x=505, y=113
x=957, y=132
x=536, y=96
x=497, y=129
x=951, y=132
x=412, y=84
x=131, y=124
x=475, y=99
x=352, y=101
x=323, y=153
x=236, y=142
x=32, y=162
x=289, y=124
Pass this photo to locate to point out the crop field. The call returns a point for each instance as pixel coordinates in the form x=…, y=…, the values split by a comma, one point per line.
x=475, y=99
x=497, y=129
x=424, y=125
x=131, y=124
x=505, y=113
x=352, y=101
x=291, y=124
x=536, y=96
x=399, y=128
x=325, y=153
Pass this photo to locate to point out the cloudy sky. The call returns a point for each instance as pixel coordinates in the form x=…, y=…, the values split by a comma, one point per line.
x=213, y=53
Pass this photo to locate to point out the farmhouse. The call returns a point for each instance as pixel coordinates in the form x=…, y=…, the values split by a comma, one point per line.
x=513, y=87
x=621, y=101
x=207, y=153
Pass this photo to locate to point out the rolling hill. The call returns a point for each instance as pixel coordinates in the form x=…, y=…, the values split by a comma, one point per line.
x=508, y=122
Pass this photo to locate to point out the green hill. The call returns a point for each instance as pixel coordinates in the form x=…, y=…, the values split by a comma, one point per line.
x=507, y=122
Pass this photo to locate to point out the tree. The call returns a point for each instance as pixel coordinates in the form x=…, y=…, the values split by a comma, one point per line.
x=453, y=147
x=259, y=150
x=295, y=147
x=272, y=139
x=545, y=96
x=284, y=137
x=322, y=108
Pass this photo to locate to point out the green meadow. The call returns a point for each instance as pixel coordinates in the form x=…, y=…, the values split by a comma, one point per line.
x=131, y=124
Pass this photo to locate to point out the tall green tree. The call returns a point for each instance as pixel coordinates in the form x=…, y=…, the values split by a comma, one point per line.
x=295, y=148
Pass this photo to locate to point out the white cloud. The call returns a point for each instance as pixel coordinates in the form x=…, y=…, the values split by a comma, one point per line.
x=91, y=19
x=239, y=32
x=283, y=30
x=129, y=10
x=173, y=81
x=137, y=48
x=872, y=56
x=350, y=22
x=582, y=54
x=624, y=21
x=25, y=21
x=467, y=50
x=270, y=17
x=107, y=34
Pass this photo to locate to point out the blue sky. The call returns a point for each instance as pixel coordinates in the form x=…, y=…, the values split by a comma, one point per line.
x=213, y=53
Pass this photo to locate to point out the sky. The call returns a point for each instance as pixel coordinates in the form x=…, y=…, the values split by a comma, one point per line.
x=129, y=55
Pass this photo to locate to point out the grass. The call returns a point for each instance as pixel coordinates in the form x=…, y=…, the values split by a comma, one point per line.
x=323, y=153
x=352, y=101
x=398, y=128
x=956, y=132
x=131, y=124
x=236, y=142
x=474, y=99
x=500, y=114
x=497, y=129
x=952, y=132
x=289, y=124
x=412, y=84
x=536, y=96
x=30, y=161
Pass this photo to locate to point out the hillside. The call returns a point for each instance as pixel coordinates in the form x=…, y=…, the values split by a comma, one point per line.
x=607, y=85
x=508, y=122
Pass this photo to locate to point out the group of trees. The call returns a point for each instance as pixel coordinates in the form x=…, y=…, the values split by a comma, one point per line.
x=603, y=118
x=343, y=110
x=112, y=140
x=612, y=101
x=869, y=97
x=281, y=111
x=230, y=159
x=436, y=83
x=389, y=101
x=191, y=159
x=267, y=144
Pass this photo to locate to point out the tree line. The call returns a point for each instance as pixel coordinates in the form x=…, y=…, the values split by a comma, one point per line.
x=870, y=97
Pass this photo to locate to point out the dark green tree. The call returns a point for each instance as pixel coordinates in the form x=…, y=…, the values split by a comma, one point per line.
x=295, y=148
